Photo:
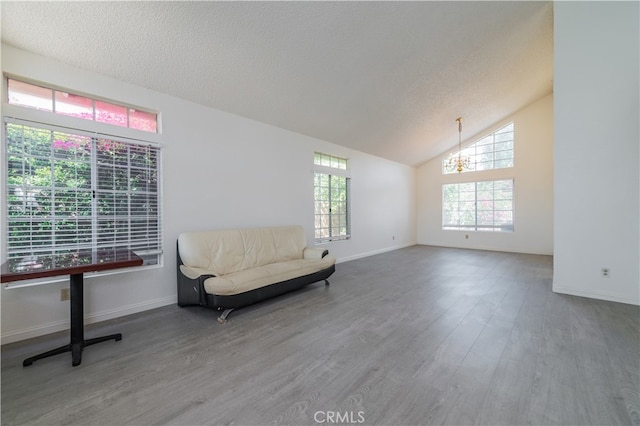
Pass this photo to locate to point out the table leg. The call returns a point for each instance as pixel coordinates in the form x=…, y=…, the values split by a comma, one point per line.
x=27, y=362
x=77, y=343
x=76, y=292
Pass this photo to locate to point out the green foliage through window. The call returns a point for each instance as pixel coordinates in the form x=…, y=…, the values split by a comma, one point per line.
x=68, y=191
x=479, y=206
x=331, y=199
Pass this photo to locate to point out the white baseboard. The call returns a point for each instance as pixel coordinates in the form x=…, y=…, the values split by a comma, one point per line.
x=372, y=253
x=53, y=327
x=595, y=295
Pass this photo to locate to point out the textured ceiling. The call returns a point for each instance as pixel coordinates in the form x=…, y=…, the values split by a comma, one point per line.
x=386, y=78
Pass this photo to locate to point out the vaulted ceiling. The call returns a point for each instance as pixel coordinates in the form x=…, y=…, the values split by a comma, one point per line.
x=386, y=78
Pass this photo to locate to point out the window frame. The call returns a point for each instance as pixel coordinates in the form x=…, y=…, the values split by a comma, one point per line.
x=94, y=100
x=332, y=167
x=476, y=227
x=74, y=125
x=471, y=151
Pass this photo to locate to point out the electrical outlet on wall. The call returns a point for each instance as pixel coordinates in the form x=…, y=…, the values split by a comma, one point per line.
x=64, y=294
x=605, y=272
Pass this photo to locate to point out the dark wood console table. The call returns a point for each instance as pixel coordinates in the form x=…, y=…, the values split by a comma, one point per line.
x=74, y=264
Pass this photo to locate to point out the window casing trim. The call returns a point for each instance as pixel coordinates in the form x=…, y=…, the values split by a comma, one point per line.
x=79, y=131
x=44, y=118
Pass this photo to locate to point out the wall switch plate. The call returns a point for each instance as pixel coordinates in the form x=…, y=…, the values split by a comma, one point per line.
x=64, y=294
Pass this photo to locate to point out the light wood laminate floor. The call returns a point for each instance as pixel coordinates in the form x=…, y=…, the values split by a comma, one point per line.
x=417, y=336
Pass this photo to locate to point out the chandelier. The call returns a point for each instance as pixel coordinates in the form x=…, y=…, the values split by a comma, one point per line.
x=461, y=162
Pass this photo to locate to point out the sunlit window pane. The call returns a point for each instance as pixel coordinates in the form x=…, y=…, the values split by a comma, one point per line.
x=478, y=206
x=331, y=196
x=327, y=160
x=74, y=105
x=494, y=151
x=142, y=120
x=29, y=95
x=111, y=114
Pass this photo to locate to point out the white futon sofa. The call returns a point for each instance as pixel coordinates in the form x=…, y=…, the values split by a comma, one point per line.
x=228, y=269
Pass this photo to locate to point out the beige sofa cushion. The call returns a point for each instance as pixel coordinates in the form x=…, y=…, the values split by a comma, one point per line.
x=224, y=252
x=251, y=279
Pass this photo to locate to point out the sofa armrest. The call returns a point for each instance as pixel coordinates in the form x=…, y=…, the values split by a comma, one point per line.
x=195, y=273
x=191, y=285
x=314, y=253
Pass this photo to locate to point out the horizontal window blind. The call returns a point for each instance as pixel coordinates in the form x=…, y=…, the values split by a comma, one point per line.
x=479, y=206
x=68, y=190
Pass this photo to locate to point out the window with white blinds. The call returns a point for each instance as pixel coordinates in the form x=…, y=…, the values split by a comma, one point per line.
x=68, y=190
x=478, y=206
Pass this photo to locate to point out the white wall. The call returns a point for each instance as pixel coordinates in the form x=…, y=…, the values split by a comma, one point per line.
x=219, y=171
x=533, y=188
x=597, y=179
